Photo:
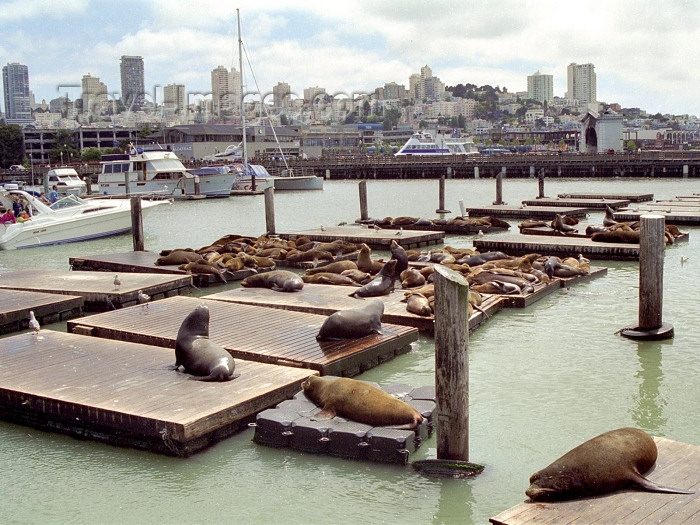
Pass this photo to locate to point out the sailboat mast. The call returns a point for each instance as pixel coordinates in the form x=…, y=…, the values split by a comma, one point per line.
x=240, y=67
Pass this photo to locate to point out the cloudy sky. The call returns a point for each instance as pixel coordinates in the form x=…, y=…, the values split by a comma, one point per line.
x=645, y=52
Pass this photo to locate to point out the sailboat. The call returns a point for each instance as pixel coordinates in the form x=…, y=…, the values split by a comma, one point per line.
x=287, y=180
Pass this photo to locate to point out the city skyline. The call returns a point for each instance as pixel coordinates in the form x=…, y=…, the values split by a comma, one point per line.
x=360, y=46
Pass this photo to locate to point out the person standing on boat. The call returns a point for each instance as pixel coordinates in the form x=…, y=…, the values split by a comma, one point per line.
x=17, y=207
x=53, y=194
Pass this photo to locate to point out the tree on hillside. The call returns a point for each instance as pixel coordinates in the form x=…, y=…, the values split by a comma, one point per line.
x=391, y=118
x=11, y=145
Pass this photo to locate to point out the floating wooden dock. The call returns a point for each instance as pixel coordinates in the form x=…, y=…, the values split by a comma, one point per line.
x=678, y=465
x=292, y=424
x=515, y=244
x=124, y=394
x=253, y=333
x=678, y=217
x=457, y=229
x=376, y=239
x=632, y=197
x=589, y=204
x=524, y=212
x=145, y=262
x=97, y=288
x=15, y=306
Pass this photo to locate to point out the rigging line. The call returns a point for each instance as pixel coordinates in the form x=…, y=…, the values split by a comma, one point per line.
x=262, y=103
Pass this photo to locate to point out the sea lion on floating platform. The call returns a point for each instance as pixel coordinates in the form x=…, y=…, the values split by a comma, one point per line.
x=481, y=258
x=328, y=278
x=365, y=262
x=411, y=278
x=202, y=268
x=398, y=253
x=334, y=267
x=199, y=355
x=382, y=284
x=418, y=304
x=360, y=401
x=559, y=225
x=358, y=276
x=178, y=257
x=353, y=323
x=309, y=255
x=621, y=236
x=278, y=280
x=603, y=464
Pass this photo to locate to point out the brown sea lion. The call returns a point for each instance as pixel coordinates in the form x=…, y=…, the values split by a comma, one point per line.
x=358, y=276
x=178, y=257
x=558, y=224
x=365, y=262
x=203, y=268
x=278, y=280
x=398, y=253
x=621, y=236
x=353, y=323
x=359, y=401
x=334, y=267
x=481, y=258
x=603, y=464
x=411, y=278
x=328, y=278
x=418, y=304
x=309, y=255
x=382, y=284
x=198, y=354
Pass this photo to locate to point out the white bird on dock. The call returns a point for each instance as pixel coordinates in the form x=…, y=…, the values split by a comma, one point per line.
x=143, y=298
x=683, y=260
x=376, y=227
x=33, y=323
x=323, y=228
x=117, y=282
x=400, y=232
x=481, y=232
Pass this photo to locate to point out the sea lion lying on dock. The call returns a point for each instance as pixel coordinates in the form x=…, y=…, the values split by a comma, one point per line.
x=278, y=280
x=197, y=354
x=360, y=401
x=603, y=464
x=353, y=323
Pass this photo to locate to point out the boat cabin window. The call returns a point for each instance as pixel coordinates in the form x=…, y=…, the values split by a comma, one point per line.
x=116, y=168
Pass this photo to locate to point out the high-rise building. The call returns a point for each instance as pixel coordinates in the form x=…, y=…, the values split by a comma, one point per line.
x=281, y=95
x=424, y=86
x=174, y=98
x=133, y=83
x=94, y=95
x=15, y=82
x=392, y=91
x=581, y=83
x=540, y=87
x=313, y=93
x=226, y=90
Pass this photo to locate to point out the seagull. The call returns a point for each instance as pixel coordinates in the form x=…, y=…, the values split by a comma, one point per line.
x=33, y=323
x=683, y=260
x=376, y=227
x=481, y=232
x=400, y=231
x=143, y=298
x=323, y=228
x=117, y=282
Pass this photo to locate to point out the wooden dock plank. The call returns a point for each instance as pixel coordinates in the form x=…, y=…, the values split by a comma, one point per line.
x=123, y=393
x=678, y=465
x=684, y=218
x=15, y=306
x=325, y=299
x=514, y=244
x=589, y=204
x=632, y=197
x=523, y=212
x=97, y=288
x=376, y=239
x=252, y=332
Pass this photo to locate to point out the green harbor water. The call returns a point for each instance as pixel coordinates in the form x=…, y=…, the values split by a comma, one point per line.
x=542, y=380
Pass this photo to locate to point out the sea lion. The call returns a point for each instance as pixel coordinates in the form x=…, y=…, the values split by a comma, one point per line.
x=358, y=276
x=199, y=355
x=559, y=225
x=360, y=401
x=328, y=278
x=481, y=258
x=278, y=280
x=382, y=284
x=418, y=304
x=554, y=268
x=309, y=255
x=411, y=278
x=334, y=267
x=398, y=253
x=178, y=257
x=203, y=268
x=603, y=464
x=365, y=262
x=621, y=236
x=353, y=323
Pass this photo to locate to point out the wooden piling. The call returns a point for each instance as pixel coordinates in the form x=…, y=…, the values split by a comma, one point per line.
x=137, y=224
x=499, y=187
x=270, y=210
x=651, y=281
x=127, y=187
x=452, y=364
x=441, y=195
x=540, y=182
x=364, y=215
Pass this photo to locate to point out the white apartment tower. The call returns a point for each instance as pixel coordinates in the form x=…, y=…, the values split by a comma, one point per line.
x=581, y=83
x=424, y=86
x=174, y=98
x=540, y=87
x=226, y=90
x=94, y=95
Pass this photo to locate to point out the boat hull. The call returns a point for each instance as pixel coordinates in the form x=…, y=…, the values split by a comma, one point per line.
x=305, y=182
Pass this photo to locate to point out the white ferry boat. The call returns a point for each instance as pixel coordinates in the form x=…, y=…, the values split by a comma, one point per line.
x=424, y=143
x=152, y=169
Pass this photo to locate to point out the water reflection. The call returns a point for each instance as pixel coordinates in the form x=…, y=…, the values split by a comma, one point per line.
x=455, y=502
x=648, y=411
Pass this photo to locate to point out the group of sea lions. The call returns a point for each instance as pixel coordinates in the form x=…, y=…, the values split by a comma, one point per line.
x=456, y=223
